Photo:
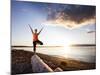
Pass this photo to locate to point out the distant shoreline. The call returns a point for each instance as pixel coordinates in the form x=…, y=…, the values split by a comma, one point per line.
x=56, y=46
x=83, y=45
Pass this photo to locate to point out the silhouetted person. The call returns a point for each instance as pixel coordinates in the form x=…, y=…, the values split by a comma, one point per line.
x=35, y=38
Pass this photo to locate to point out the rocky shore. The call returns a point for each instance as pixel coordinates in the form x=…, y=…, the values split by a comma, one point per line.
x=21, y=62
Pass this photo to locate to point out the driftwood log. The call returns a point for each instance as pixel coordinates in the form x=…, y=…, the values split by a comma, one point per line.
x=38, y=65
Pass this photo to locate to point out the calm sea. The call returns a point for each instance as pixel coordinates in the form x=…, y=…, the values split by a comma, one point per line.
x=82, y=53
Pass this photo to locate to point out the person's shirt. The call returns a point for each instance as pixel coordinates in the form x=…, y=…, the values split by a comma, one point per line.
x=35, y=36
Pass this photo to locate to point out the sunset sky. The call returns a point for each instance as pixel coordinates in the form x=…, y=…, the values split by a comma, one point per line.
x=63, y=24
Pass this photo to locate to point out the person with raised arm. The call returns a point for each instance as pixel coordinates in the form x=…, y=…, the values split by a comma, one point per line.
x=36, y=40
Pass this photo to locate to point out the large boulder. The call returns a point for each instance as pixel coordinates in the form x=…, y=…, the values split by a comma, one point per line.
x=38, y=65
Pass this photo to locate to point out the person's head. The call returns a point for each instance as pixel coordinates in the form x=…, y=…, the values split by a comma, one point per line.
x=35, y=30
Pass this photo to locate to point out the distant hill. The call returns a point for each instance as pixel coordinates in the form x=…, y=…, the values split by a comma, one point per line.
x=83, y=45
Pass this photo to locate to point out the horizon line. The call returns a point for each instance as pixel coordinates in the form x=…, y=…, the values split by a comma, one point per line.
x=54, y=45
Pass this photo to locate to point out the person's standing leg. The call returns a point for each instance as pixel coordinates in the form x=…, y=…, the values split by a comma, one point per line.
x=34, y=46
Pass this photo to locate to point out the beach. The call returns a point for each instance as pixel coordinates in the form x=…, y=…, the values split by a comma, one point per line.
x=21, y=62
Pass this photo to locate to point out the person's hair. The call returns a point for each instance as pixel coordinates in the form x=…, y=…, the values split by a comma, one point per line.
x=35, y=30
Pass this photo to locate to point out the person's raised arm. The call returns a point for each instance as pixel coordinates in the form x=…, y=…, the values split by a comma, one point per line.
x=31, y=29
x=40, y=31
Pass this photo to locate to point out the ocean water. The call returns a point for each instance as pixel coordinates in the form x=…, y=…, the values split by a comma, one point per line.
x=81, y=53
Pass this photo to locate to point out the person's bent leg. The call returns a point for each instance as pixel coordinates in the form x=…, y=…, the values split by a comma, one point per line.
x=40, y=42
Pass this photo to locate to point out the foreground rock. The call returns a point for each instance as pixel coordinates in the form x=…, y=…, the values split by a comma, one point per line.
x=58, y=69
x=38, y=65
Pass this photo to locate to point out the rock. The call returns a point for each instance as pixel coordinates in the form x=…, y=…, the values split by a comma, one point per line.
x=38, y=65
x=58, y=70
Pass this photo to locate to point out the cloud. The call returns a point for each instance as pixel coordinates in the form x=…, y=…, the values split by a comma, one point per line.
x=71, y=16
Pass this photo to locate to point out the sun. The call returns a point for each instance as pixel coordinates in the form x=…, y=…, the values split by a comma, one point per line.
x=66, y=48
